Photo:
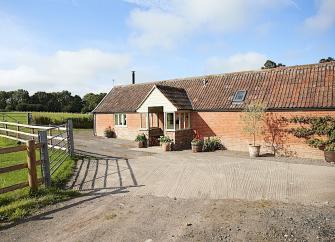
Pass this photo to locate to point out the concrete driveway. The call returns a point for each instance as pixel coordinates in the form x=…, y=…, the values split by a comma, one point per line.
x=109, y=164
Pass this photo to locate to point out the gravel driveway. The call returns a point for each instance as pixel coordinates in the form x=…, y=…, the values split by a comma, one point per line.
x=113, y=163
x=145, y=195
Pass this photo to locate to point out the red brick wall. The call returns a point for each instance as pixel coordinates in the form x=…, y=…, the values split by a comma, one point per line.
x=228, y=126
x=104, y=121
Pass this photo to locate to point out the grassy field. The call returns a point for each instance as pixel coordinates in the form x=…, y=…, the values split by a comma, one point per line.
x=80, y=121
x=61, y=116
x=22, y=117
x=20, y=203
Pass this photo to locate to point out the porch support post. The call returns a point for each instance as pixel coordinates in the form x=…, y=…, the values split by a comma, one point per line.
x=147, y=120
x=164, y=122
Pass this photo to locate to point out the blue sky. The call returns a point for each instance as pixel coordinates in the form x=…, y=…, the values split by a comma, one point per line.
x=83, y=45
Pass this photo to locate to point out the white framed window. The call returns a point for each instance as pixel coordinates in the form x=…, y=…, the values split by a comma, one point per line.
x=120, y=119
x=169, y=124
x=177, y=121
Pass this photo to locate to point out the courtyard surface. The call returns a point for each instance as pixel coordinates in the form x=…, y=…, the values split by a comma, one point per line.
x=113, y=163
x=133, y=194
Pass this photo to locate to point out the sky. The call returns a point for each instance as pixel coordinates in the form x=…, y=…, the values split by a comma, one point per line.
x=83, y=45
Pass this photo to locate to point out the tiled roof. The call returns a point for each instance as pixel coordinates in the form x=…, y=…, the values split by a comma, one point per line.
x=296, y=87
x=177, y=96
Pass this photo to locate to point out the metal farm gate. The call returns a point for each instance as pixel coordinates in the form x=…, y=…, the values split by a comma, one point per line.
x=57, y=143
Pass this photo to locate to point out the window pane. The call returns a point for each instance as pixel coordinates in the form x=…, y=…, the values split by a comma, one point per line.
x=177, y=121
x=187, y=117
x=116, y=119
x=239, y=96
x=182, y=118
x=169, y=120
x=124, y=119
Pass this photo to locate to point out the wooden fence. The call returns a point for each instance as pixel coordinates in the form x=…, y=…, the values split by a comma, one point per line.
x=56, y=143
x=32, y=181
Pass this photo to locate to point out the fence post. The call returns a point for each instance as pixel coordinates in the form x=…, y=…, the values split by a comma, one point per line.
x=43, y=139
x=31, y=160
x=70, y=141
x=29, y=118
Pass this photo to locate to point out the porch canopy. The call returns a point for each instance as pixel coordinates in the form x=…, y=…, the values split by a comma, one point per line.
x=165, y=107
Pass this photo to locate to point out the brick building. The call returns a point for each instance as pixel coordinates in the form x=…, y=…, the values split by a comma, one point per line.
x=211, y=106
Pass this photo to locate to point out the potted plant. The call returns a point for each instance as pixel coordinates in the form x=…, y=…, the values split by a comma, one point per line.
x=319, y=132
x=252, y=118
x=166, y=142
x=109, y=132
x=329, y=153
x=141, y=139
x=197, y=145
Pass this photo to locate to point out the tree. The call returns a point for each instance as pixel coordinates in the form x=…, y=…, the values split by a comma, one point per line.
x=91, y=100
x=15, y=98
x=324, y=60
x=63, y=101
x=252, y=118
x=269, y=64
x=3, y=100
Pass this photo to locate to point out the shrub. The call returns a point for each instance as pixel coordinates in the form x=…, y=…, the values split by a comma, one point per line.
x=212, y=144
x=109, y=132
x=141, y=138
x=197, y=141
x=165, y=139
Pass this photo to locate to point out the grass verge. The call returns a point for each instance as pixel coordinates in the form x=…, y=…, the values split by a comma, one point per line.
x=21, y=203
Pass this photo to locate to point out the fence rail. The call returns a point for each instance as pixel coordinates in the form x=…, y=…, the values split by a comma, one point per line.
x=30, y=164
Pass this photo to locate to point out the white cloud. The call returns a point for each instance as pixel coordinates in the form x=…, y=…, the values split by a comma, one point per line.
x=23, y=65
x=165, y=23
x=155, y=28
x=237, y=62
x=324, y=19
x=78, y=71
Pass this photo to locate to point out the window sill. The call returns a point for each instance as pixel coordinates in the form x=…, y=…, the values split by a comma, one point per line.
x=120, y=126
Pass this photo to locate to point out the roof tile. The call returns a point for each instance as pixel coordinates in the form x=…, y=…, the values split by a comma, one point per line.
x=307, y=86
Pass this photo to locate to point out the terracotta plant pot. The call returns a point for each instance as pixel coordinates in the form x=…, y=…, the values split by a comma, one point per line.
x=141, y=144
x=166, y=146
x=329, y=156
x=196, y=148
x=254, y=150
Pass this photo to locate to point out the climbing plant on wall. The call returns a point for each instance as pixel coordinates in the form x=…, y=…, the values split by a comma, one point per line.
x=318, y=131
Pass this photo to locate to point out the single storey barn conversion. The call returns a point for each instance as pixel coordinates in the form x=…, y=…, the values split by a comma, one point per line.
x=211, y=106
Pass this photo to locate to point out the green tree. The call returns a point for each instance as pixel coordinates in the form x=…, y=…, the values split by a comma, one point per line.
x=324, y=60
x=269, y=64
x=3, y=99
x=252, y=117
x=91, y=100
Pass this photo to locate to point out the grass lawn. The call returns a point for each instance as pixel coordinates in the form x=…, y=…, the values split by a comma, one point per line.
x=20, y=203
x=13, y=117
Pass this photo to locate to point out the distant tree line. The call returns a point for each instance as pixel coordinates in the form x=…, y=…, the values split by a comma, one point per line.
x=63, y=101
x=269, y=64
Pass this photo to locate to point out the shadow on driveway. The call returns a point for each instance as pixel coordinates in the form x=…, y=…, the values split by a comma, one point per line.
x=98, y=172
